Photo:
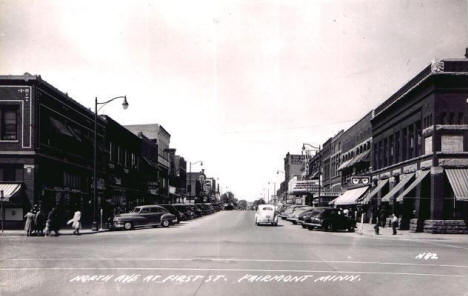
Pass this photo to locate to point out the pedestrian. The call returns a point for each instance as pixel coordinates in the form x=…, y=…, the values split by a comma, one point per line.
x=75, y=222
x=394, y=223
x=376, y=227
x=382, y=218
x=28, y=225
x=39, y=220
x=52, y=222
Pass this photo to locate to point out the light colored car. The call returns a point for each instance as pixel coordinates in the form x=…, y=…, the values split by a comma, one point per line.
x=266, y=214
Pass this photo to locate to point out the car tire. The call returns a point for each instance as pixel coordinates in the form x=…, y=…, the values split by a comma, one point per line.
x=310, y=227
x=294, y=222
x=351, y=229
x=165, y=223
x=128, y=225
x=330, y=227
x=303, y=226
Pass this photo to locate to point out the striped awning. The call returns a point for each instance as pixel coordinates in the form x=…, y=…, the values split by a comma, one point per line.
x=404, y=179
x=458, y=179
x=349, y=197
x=412, y=186
x=345, y=164
x=361, y=158
x=9, y=190
x=374, y=192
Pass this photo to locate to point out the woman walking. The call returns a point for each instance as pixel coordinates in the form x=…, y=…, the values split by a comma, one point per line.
x=75, y=222
x=28, y=225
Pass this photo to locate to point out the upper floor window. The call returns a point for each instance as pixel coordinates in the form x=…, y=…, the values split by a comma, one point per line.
x=8, y=123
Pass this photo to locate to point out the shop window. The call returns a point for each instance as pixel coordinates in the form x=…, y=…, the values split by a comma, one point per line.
x=8, y=123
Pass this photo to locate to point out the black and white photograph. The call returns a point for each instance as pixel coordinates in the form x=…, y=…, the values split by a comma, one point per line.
x=234, y=147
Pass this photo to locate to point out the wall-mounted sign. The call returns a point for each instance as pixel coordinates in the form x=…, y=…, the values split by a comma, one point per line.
x=360, y=180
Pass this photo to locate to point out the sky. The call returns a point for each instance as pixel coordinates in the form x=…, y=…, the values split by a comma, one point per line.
x=237, y=84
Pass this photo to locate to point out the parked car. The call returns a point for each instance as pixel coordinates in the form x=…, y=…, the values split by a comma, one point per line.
x=288, y=214
x=287, y=211
x=306, y=215
x=266, y=214
x=198, y=210
x=297, y=212
x=189, y=212
x=173, y=210
x=330, y=219
x=150, y=215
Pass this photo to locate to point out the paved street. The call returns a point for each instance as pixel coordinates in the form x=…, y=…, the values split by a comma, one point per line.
x=226, y=254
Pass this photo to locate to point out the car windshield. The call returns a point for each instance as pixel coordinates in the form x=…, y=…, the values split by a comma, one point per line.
x=136, y=210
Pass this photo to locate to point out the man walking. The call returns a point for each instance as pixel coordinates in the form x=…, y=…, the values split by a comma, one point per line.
x=394, y=223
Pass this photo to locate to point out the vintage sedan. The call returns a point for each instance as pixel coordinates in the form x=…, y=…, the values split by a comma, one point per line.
x=329, y=219
x=150, y=215
x=266, y=214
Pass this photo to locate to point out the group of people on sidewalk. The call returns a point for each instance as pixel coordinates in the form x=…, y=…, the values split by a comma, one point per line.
x=37, y=224
x=381, y=221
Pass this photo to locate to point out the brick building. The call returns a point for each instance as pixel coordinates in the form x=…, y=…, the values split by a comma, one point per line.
x=46, y=150
x=420, y=149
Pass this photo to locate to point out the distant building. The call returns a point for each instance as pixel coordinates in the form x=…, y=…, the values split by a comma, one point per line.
x=161, y=137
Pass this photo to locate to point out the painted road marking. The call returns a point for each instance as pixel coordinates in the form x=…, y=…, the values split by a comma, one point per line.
x=234, y=270
x=233, y=260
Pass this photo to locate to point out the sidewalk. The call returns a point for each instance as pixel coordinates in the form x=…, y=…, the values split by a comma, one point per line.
x=65, y=231
x=387, y=232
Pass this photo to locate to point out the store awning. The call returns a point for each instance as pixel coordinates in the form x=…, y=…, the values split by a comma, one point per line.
x=404, y=179
x=60, y=127
x=412, y=186
x=363, y=157
x=9, y=190
x=374, y=192
x=458, y=179
x=345, y=164
x=349, y=197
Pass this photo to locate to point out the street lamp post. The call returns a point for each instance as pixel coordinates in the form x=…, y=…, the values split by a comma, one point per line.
x=96, y=110
x=190, y=176
x=268, y=196
x=317, y=149
x=278, y=172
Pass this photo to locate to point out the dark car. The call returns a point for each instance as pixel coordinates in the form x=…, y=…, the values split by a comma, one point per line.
x=197, y=210
x=187, y=210
x=174, y=211
x=204, y=209
x=304, y=215
x=329, y=219
x=209, y=208
x=150, y=215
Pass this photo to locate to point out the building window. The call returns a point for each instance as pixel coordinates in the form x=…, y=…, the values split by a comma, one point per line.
x=110, y=151
x=460, y=118
x=8, y=122
x=442, y=118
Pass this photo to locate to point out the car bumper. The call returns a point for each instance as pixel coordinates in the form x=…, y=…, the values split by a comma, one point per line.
x=267, y=220
x=312, y=224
